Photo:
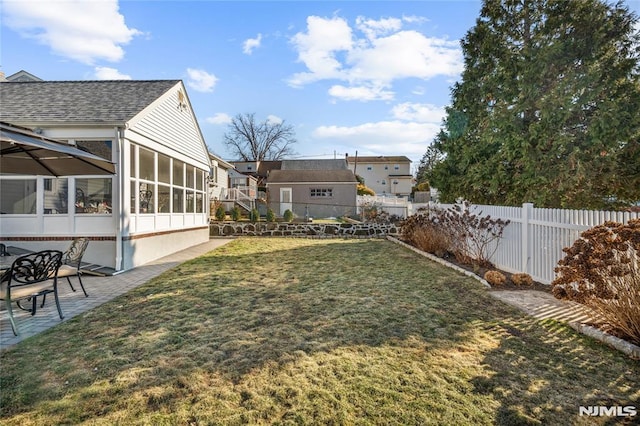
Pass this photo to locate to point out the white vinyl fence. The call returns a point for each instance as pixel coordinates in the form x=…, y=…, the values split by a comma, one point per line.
x=534, y=239
x=397, y=206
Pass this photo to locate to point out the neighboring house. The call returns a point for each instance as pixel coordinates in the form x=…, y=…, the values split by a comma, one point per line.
x=155, y=204
x=218, y=178
x=258, y=169
x=313, y=188
x=21, y=75
x=243, y=191
x=385, y=175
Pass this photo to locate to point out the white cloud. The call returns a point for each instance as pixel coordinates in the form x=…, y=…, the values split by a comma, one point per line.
x=250, y=44
x=200, y=80
x=412, y=19
x=85, y=31
x=406, y=54
x=384, y=137
x=423, y=113
x=360, y=93
x=106, y=73
x=331, y=51
x=317, y=49
x=219, y=118
x=274, y=119
x=375, y=28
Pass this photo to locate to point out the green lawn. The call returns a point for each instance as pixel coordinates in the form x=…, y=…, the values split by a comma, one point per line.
x=300, y=331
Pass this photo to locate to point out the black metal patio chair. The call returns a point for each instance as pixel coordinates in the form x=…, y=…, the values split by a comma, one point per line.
x=30, y=276
x=72, y=260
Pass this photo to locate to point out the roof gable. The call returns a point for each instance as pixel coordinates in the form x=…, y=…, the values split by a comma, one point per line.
x=170, y=121
x=23, y=75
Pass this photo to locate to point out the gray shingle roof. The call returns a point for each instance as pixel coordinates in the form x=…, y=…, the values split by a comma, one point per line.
x=109, y=101
x=380, y=159
x=323, y=164
x=311, y=176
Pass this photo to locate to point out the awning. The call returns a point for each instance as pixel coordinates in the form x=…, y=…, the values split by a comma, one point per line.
x=27, y=153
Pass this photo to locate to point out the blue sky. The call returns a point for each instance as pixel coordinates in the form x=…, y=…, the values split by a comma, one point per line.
x=366, y=76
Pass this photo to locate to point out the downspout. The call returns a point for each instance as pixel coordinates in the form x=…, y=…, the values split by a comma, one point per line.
x=120, y=199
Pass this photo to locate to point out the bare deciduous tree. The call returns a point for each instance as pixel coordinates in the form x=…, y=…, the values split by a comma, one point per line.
x=256, y=141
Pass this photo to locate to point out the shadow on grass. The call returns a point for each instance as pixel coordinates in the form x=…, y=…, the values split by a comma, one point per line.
x=543, y=371
x=210, y=327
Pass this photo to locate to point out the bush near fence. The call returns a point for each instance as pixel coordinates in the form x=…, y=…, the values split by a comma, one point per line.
x=534, y=240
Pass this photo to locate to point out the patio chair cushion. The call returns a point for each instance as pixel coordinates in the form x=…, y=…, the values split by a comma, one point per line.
x=25, y=291
x=67, y=271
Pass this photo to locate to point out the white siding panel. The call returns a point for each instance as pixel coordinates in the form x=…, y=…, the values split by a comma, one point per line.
x=174, y=128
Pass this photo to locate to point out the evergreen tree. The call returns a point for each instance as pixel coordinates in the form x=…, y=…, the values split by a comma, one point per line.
x=428, y=162
x=547, y=108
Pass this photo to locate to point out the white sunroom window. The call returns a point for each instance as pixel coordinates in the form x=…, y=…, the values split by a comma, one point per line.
x=56, y=196
x=170, y=184
x=18, y=196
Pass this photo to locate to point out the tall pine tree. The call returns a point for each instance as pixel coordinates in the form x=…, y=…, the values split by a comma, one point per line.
x=547, y=110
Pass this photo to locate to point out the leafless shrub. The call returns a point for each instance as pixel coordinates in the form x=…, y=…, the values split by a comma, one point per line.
x=471, y=237
x=475, y=237
x=431, y=240
x=622, y=311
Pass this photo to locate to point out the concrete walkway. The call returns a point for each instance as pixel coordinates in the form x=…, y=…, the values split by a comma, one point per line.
x=100, y=290
x=543, y=305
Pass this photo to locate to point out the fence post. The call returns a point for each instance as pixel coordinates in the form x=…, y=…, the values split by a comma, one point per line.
x=527, y=212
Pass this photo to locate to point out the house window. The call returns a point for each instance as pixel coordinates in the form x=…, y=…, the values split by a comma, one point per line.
x=93, y=195
x=386, y=167
x=178, y=200
x=147, y=164
x=249, y=168
x=322, y=192
x=164, y=199
x=164, y=169
x=132, y=152
x=190, y=177
x=384, y=182
x=18, y=196
x=178, y=173
x=55, y=196
x=214, y=174
x=396, y=167
x=369, y=168
x=191, y=200
x=162, y=184
x=146, y=194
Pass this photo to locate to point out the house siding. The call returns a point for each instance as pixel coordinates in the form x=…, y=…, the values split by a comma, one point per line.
x=174, y=128
x=381, y=174
x=341, y=203
x=123, y=239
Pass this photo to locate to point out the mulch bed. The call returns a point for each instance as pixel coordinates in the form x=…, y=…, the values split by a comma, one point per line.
x=480, y=271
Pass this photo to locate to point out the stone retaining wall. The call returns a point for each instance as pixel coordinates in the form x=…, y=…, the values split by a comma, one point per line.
x=319, y=230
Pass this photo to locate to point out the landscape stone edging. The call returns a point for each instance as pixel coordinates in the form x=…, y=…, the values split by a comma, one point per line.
x=440, y=261
x=297, y=229
x=628, y=348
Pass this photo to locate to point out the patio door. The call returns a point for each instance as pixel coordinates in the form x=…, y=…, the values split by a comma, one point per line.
x=286, y=203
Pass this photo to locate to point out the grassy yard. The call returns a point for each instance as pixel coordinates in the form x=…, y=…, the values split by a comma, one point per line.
x=297, y=331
